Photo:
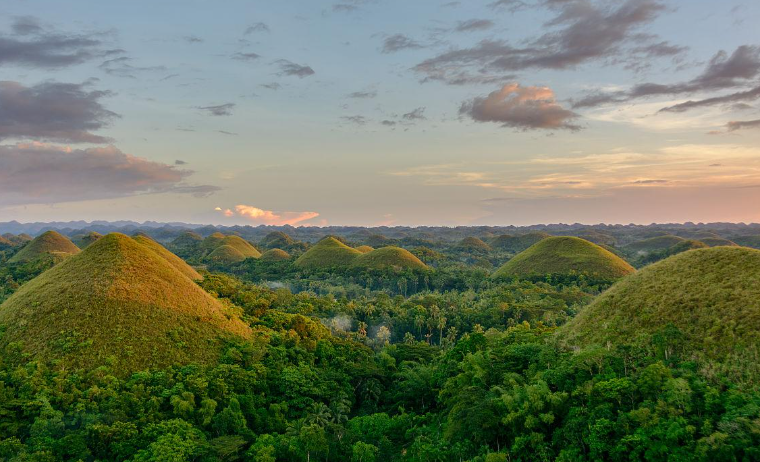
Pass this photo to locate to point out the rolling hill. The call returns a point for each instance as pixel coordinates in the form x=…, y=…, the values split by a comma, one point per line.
x=718, y=241
x=225, y=254
x=565, y=255
x=365, y=248
x=327, y=253
x=83, y=240
x=389, y=257
x=276, y=240
x=518, y=243
x=711, y=295
x=275, y=255
x=50, y=245
x=118, y=301
x=655, y=243
x=473, y=244
x=241, y=245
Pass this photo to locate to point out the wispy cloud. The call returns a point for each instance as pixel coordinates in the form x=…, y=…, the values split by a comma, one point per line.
x=267, y=217
x=218, y=110
x=293, y=69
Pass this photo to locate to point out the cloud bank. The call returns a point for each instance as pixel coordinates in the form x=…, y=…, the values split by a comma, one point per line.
x=267, y=217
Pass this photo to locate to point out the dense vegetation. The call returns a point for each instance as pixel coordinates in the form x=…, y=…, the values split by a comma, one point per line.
x=351, y=362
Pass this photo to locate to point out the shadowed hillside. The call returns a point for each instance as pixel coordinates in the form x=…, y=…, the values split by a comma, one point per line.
x=50, y=245
x=329, y=252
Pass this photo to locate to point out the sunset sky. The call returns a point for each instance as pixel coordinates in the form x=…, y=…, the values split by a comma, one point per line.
x=380, y=112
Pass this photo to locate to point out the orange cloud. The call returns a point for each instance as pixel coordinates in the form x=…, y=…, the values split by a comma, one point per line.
x=268, y=217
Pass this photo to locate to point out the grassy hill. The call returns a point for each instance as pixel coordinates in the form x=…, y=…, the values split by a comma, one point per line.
x=242, y=246
x=365, y=248
x=518, y=243
x=187, y=239
x=225, y=254
x=327, y=253
x=388, y=257
x=212, y=241
x=711, y=295
x=748, y=241
x=20, y=239
x=83, y=240
x=173, y=260
x=275, y=255
x=50, y=245
x=5, y=243
x=276, y=240
x=565, y=255
x=718, y=241
x=655, y=243
x=473, y=244
x=118, y=300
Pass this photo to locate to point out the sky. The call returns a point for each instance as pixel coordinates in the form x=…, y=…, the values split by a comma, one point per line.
x=380, y=112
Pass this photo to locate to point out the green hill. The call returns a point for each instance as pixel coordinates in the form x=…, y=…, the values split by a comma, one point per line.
x=718, y=241
x=275, y=255
x=473, y=244
x=83, y=240
x=187, y=239
x=748, y=241
x=711, y=295
x=225, y=254
x=365, y=248
x=213, y=241
x=518, y=243
x=598, y=238
x=5, y=243
x=242, y=246
x=655, y=243
x=565, y=255
x=327, y=253
x=389, y=257
x=173, y=260
x=118, y=300
x=377, y=240
x=50, y=245
x=276, y=240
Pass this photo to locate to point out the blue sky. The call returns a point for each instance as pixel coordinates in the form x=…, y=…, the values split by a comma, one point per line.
x=380, y=112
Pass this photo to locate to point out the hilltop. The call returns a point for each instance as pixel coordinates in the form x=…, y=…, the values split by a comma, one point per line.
x=365, y=248
x=473, y=244
x=718, y=241
x=711, y=296
x=518, y=243
x=172, y=259
x=329, y=252
x=277, y=239
x=389, y=257
x=118, y=300
x=50, y=245
x=275, y=255
x=655, y=243
x=565, y=255
x=241, y=245
x=225, y=254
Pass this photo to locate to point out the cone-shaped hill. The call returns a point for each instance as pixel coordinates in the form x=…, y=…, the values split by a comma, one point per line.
x=242, y=246
x=225, y=254
x=327, y=253
x=275, y=255
x=277, y=239
x=187, y=239
x=718, y=241
x=655, y=243
x=711, y=295
x=50, y=245
x=20, y=239
x=122, y=300
x=228, y=249
x=83, y=240
x=173, y=260
x=519, y=243
x=213, y=241
x=473, y=244
x=565, y=255
x=5, y=243
x=389, y=257
x=365, y=248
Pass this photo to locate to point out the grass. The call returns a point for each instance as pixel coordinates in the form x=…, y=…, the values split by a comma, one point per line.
x=365, y=248
x=242, y=246
x=213, y=241
x=389, y=257
x=748, y=241
x=50, y=244
x=225, y=254
x=518, y=243
x=711, y=295
x=83, y=240
x=327, y=253
x=655, y=243
x=718, y=242
x=187, y=239
x=565, y=255
x=277, y=239
x=275, y=255
x=173, y=260
x=120, y=301
x=5, y=243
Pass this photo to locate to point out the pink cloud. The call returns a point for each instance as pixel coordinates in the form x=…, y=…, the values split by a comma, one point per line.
x=268, y=217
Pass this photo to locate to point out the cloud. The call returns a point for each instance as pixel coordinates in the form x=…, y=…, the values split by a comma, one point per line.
x=474, y=25
x=416, y=114
x=180, y=162
x=526, y=108
x=33, y=45
x=271, y=86
x=738, y=98
x=52, y=111
x=256, y=27
x=582, y=32
x=192, y=39
x=218, y=110
x=743, y=124
x=363, y=94
x=398, y=42
x=121, y=67
x=293, y=69
x=42, y=173
x=388, y=123
x=246, y=56
x=723, y=71
x=267, y=217
x=355, y=119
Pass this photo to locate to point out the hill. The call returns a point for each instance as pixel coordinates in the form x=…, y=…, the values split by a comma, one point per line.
x=748, y=241
x=173, y=260
x=276, y=240
x=473, y=244
x=718, y=241
x=711, y=295
x=275, y=255
x=365, y=248
x=5, y=243
x=225, y=254
x=83, y=240
x=565, y=255
x=118, y=300
x=50, y=245
x=518, y=243
x=329, y=252
x=212, y=241
x=389, y=257
x=241, y=245
x=187, y=239
x=655, y=243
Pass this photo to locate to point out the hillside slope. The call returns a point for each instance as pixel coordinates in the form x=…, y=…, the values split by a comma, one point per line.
x=49, y=245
